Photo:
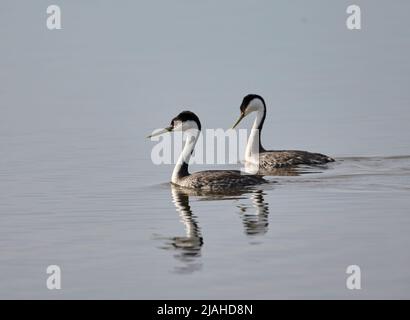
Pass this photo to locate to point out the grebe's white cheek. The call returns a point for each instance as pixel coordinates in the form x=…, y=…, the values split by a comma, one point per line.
x=254, y=105
x=189, y=125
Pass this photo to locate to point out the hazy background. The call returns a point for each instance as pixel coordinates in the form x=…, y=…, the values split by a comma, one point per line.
x=78, y=188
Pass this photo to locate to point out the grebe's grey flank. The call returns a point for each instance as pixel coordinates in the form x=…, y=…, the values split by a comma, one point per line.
x=266, y=159
x=215, y=180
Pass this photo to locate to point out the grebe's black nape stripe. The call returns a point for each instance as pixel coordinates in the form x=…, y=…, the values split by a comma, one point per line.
x=183, y=171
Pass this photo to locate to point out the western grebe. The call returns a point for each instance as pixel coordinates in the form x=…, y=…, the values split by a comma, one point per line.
x=215, y=180
x=265, y=159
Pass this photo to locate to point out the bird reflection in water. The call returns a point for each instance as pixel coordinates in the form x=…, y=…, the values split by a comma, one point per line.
x=188, y=248
x=255, y=222
x=255, y=218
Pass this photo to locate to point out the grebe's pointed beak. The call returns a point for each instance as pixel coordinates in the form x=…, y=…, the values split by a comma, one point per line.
x=159, y=132
x=239, y=120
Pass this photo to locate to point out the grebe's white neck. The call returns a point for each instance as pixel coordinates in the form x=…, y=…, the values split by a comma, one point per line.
x=191, y=137
x=254, y=146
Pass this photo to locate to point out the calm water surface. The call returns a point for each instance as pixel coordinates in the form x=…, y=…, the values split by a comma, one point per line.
x=117, y=234
x=78, y=187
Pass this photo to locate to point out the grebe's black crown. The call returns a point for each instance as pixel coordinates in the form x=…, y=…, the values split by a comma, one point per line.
x=247, y=99
x=187, y=116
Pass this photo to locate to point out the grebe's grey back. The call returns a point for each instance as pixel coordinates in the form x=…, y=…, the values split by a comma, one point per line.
x=215, y=180
x=266, y=159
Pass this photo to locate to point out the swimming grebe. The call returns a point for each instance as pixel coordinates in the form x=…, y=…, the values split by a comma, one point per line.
x=265, y=159
x=214, y=180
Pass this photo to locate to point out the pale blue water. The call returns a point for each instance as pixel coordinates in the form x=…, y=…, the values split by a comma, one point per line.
x=78, y=188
